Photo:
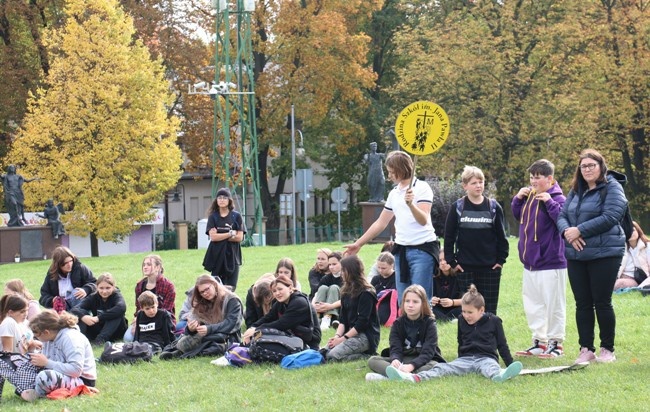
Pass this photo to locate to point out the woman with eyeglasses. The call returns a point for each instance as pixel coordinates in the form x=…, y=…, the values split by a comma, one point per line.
x=68, y=281
x=594, y=247
x=214, y=322
x=225, y=229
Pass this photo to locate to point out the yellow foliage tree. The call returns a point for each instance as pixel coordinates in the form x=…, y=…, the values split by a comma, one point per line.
x=98, y=133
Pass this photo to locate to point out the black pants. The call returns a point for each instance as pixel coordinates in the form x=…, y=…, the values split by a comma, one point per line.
x=228, y=277
x=487, y=283
x=592, y=283
x=112, y=330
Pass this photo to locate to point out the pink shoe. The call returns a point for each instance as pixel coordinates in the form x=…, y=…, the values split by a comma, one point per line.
x=606, y=356
x=585, y=356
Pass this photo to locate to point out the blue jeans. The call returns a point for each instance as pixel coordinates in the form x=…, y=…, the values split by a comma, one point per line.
x=464, y=365
x=421, y=265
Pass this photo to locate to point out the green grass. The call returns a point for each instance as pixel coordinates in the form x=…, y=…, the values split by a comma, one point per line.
x=196, y=385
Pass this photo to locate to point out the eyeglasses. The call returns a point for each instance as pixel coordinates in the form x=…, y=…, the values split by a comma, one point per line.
x=65, y=262
x=204, y=291
x=588, y=166
x=222, y=198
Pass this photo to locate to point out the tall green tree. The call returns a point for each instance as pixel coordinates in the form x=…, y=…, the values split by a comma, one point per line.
x=23, y=58
x=98, y=133
x=496, y=68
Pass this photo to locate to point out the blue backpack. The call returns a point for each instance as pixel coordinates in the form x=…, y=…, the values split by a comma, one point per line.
x=302, y=359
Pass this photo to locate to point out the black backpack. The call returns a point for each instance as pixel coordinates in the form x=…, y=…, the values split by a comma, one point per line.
x=129, y=352
x=271, y=345
x=626, y=220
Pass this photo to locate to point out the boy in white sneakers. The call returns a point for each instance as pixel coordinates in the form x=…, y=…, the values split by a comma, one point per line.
x=541, y=250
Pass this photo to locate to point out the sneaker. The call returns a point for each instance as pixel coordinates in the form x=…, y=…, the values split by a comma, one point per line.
x=553, y=350
x=335, y=324
x=585, y=356
x=537, y=349
x=395, y=374
x=222, y=361
x=508, y=373
x=29, y=395
x=326, y=322
x=606, y=356
x=371, y=376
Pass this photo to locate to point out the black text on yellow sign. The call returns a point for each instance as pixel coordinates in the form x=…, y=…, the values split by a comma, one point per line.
x=422, y=128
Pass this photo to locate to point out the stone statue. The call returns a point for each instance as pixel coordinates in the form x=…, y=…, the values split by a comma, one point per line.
x=52, y=214
x=376, y=179
x=12, y=184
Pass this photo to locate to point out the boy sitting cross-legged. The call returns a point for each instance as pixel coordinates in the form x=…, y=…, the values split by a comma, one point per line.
x=153, y=326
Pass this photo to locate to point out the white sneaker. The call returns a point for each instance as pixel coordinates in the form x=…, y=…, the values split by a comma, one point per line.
x=326, y=322
x=372, y=376
x=222, y=361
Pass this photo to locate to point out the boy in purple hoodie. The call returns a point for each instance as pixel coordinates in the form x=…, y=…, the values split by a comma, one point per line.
x=541, y=250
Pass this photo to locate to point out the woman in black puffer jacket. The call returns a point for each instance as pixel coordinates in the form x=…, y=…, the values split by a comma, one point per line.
x=594, y=247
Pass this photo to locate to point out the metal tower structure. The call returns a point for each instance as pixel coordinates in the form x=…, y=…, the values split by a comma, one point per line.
x=233, y=92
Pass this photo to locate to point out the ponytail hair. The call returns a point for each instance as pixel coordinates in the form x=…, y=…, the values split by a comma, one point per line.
x=473, y=298
x=52, y=321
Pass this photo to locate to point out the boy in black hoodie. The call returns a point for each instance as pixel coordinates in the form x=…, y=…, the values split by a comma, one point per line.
x=480, y=337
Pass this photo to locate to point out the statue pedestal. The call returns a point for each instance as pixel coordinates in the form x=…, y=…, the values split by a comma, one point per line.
x=370, y=211
x=30, y=242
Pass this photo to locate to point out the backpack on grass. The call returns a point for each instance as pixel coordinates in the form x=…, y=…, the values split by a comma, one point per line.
x=271, y=345
x=129, y=352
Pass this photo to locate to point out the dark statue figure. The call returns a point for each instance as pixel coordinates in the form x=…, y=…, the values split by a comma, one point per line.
x=52, y=214
x=12, y=184
x=376, y=179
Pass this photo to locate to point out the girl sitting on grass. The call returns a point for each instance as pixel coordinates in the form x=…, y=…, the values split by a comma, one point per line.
x=413, y=339
x=214, y=322
x=480, y=336
x=101, y=314
x=320, y=269
x=327, y=299
x=15, y=336
x=67, y=356
x=17, y=287
x=290, y=313
x=446, y=304
x=357, y=334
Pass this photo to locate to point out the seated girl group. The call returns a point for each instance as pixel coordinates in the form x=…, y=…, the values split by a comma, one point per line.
x=60, y=356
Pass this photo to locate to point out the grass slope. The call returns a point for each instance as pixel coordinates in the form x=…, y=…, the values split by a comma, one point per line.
x=196, y=385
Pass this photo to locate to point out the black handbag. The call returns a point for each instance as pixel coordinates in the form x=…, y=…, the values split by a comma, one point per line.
x=639, y=275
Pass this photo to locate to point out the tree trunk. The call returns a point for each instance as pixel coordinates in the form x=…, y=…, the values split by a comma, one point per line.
x=94, y=245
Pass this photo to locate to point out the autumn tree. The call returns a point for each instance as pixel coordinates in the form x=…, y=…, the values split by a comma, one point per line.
x=497, y=69
x=98, y=133
x=614, y=84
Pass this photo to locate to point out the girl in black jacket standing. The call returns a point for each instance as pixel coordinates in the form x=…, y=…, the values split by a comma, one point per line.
x=413, y=338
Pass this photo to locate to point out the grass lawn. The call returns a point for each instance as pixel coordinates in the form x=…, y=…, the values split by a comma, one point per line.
x=196, y=385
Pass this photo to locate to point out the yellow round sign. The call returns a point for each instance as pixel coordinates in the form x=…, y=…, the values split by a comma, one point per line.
x=422, y=128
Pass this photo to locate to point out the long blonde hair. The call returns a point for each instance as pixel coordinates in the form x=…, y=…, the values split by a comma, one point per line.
x=18, y=286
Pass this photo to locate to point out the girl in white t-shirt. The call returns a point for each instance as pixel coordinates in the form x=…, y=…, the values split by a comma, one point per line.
x=14, y=335
x=416, y=246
